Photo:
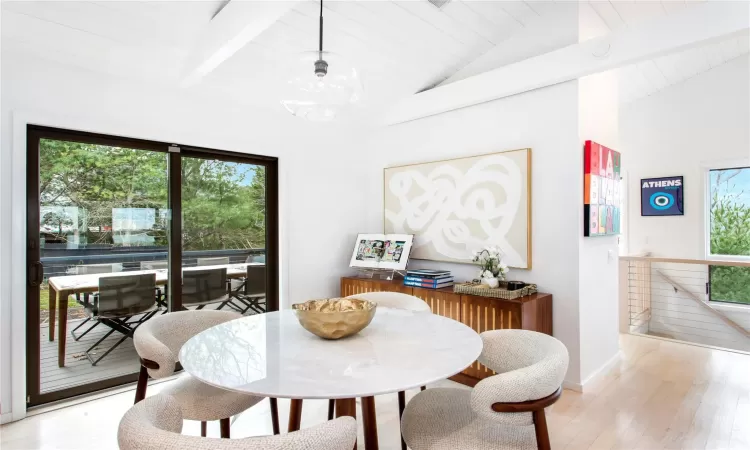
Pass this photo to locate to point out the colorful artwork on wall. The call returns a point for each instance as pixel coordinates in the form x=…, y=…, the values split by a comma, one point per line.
x=662, y=196
x=602, y=190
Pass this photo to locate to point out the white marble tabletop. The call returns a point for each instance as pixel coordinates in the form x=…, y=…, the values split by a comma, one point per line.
x=272, y=355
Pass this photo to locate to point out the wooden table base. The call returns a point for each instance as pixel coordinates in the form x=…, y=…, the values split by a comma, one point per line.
x=52, y=312
x=344, y=407
x=295, y=415
x=369, y=422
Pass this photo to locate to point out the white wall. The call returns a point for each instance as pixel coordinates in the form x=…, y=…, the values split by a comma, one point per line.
x=545, y=120
x=598, y=269
x=703, y=121
x=684, y=129
x=320, y=212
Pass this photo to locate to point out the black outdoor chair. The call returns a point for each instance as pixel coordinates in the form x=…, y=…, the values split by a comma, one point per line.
x=83, y=299
x=161, y=291
x=251, y=295
x=204, y=287
x=120, y=300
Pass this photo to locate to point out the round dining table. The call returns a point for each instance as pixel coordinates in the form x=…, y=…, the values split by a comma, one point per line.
x=271, y=355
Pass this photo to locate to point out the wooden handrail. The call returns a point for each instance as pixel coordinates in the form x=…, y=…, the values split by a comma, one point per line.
x=706, y=262
x=528, y=406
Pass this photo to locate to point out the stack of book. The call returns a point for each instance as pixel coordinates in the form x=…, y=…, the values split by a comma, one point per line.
x=430, y=279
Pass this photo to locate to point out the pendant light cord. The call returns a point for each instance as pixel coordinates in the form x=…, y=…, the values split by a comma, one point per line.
x=320, y=42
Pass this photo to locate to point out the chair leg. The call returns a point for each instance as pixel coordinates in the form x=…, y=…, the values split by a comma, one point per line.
x=96, y=361
x=401, y=407
x=224, y=424
x=140, y=390
x=106, y=335
x=84, y=322
x=203, y=429
x=295, y=415
x=331, y=405
x=274, y=415
x=540, y=427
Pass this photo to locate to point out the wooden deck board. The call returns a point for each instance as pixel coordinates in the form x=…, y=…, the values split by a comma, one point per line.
x=78, y=369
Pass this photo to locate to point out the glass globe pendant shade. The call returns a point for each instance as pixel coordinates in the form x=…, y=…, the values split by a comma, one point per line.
x=321, y=85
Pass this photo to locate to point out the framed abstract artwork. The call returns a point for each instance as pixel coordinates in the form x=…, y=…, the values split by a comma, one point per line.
x=662, y=196
x=602, y=188
x=458, y=206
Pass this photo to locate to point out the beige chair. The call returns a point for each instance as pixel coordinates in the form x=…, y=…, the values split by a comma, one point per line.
x=504, y=411
x=87, y=269
x=394, y=300
x=217, y=261
x=156, y=424
x=154, y=265
x=158, y=343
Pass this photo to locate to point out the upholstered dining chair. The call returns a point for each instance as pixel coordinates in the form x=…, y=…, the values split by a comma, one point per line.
x=503, y=411
x=158, y=343
x=156, y=424
x=395, y=300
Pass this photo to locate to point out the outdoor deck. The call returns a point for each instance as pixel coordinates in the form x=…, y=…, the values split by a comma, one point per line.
x=78, y=369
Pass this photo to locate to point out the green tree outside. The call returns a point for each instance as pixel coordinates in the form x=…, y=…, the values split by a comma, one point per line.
x=223, y=203
x=730, y=235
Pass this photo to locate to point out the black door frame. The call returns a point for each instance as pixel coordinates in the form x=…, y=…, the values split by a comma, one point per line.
x=34, y=270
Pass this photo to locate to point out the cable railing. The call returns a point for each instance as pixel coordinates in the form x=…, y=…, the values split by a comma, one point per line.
x=704, y=302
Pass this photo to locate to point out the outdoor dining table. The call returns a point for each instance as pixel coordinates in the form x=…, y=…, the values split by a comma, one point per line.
x=271, y=355
x=63, y=286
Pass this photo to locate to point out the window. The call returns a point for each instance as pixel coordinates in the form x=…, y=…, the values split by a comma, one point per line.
x=100, y=204
x=729, y=233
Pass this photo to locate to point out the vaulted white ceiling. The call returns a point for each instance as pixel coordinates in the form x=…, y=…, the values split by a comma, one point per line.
x=401, y=47
x=649, y=77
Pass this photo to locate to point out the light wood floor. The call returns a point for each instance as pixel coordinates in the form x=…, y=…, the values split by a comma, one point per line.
x=662, y=395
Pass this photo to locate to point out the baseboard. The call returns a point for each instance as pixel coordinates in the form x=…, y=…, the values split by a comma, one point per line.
x=6, y=418
x=601, y=371
x=695, y=344
x=571, y=386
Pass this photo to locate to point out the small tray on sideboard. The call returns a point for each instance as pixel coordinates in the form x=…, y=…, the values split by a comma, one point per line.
x=483, y=290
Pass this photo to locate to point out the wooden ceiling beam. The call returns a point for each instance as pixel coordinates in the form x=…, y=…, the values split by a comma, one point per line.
x=237, y=24
x=698, y=25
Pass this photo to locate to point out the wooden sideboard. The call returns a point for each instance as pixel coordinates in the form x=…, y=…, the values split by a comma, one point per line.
x=532, y=312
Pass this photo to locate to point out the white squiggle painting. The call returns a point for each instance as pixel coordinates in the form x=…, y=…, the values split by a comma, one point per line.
x=456, y=207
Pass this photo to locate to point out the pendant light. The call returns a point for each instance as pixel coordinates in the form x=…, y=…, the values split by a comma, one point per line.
x=322, y=83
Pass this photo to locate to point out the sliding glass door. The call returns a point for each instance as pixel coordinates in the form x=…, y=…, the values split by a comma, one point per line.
x=104, y=210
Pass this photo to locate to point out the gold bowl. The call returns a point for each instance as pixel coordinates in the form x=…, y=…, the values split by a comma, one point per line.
x=335, y=318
